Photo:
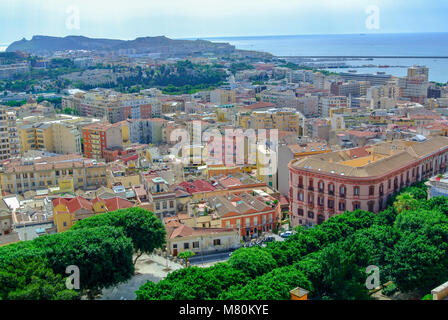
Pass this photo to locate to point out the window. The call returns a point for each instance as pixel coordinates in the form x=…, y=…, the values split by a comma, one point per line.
x=300, y=182
x=341, y=206
x=171, y=204
x=381, y=189
x=371, y=190
x=310, y=198
x=356, y=191
x=255, y=221
x=320, y=201
x=300, y=212
x=330, y=204
x=217, y=242
x=342, y=191
x=157, y=205
x=247, y=222
x=186, y=245
x=311, y=185
x=321, y=186
x=65, y=224
x=227, y=224
x=270, y=218
x=238, y=223
x=356, y=205
x=300, y=196
x=196, y=244
x=175, y=246
x=331, y=189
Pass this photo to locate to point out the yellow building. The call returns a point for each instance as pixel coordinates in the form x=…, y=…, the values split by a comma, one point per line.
x=52, y=137
x=21, y=175
x=67, y=211
x=281, y=119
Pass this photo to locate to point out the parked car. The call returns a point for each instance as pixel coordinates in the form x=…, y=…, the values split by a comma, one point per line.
x=286, y=234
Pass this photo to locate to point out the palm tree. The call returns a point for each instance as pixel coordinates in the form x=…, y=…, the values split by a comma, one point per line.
x=406, y=202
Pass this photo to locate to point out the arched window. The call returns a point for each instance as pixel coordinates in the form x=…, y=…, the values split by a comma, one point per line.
x=371, y=190
x=381, y=189
x=356, y=191
x=341, y=205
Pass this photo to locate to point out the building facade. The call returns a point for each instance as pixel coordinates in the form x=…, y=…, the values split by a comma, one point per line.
x=329, y=184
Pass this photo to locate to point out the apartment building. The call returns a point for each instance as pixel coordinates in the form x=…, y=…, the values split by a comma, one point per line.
x=53, y=137
x=97, y=137
x=362, y=178
x=220, y=96
x=282, y=119
x=8, y=71
x=9, y=139
x=111, y=106
x=326, y=104
x=26, y=174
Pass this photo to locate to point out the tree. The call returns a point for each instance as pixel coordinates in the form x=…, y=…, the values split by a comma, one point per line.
x=143, y=227
x=32, y=279
x=193, y=283
x=252, y=261
x=274, y=285
x=420, y=259
x=103, y=255
x=405, y=201
x=185, y=256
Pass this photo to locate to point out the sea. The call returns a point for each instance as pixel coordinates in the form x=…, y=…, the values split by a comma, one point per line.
x=389, y=53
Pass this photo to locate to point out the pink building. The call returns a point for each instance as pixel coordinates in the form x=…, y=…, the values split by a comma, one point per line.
x=323, y=185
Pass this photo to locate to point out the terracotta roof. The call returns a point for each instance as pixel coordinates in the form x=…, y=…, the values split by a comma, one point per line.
x=185, y=231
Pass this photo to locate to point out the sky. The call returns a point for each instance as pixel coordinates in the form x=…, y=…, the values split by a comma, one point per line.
x=129, y=19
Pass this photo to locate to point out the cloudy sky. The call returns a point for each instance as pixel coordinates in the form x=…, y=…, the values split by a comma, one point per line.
x=128, y=19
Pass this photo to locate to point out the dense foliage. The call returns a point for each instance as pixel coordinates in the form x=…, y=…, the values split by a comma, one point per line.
x=144, y=229
x=101, y=247
x=330, y=260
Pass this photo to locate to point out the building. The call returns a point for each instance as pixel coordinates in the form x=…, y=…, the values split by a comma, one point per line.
x=332, y=183
x=9, y=139
x=97, y=137
x=25, y=174
x=282, y=119
x=286, y=153
x=251, y=214
x=7, y=233
x=326, y=104
x=111, y=106
x=67, y=211
x=221, y=97
x=182, y=238
x=56, y=137
x=9, y=71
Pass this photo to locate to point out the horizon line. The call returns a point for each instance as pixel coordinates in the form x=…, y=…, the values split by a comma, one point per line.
x=233, y=36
